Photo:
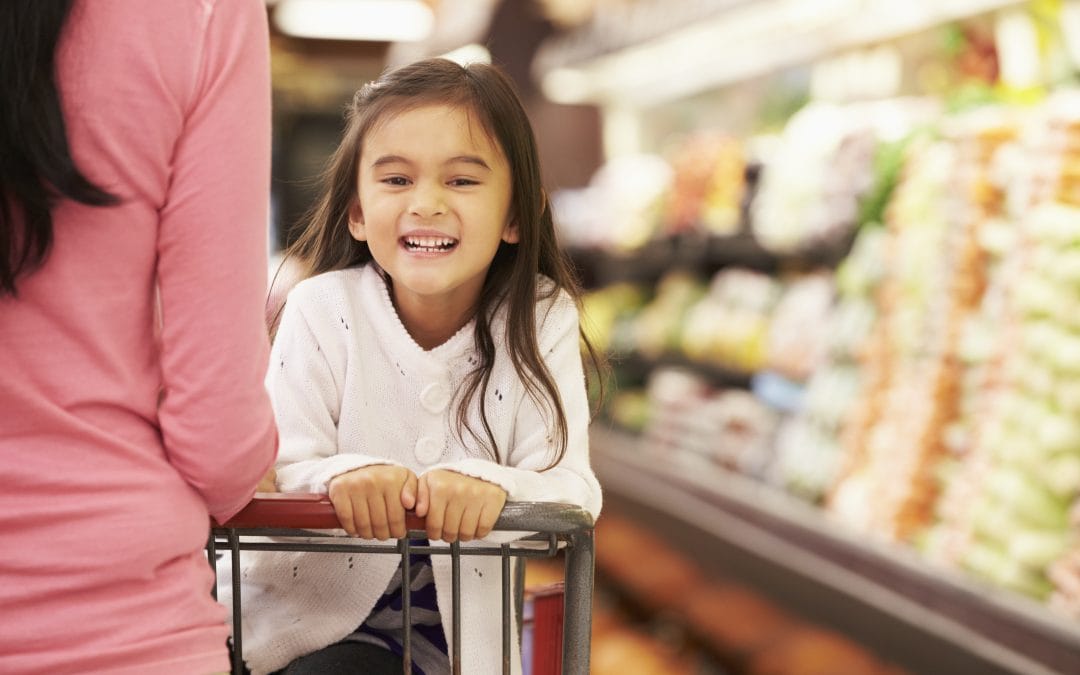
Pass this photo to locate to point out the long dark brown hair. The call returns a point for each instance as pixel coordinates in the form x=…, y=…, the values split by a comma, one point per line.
x=36, y=167
x=324, y=242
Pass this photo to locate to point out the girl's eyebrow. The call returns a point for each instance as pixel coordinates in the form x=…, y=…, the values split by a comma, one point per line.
x=389, y=159
x=398, y=159
x=469, y=159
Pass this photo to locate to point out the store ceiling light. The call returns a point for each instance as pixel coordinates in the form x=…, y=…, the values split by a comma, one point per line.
x=361, y=20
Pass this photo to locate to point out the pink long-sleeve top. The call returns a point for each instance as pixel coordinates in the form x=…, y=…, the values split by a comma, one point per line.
x=119, y=439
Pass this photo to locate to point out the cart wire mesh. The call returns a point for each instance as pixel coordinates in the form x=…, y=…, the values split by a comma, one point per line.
x=300, y=522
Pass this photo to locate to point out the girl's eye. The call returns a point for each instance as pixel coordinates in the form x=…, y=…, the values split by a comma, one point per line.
x=396, y=180
x=462, y=182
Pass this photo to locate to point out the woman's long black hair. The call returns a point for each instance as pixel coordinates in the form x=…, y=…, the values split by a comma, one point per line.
x=36, y=168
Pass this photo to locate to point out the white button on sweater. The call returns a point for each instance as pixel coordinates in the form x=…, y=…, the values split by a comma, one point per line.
x=428, y=450
x=351, y=388
x=435, y=397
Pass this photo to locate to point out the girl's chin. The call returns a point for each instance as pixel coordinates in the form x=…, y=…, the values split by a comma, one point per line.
x=423, y=290
x=439, y=291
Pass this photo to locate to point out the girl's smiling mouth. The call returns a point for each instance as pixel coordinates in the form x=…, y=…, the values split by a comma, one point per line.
x=428, y=244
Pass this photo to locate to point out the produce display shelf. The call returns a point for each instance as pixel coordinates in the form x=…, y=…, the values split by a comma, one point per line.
x=891, y=594
x=635, y=366
x=699, y=253
x=691, y=252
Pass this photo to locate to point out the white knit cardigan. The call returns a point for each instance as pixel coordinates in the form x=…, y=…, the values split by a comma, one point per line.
x=351, y=388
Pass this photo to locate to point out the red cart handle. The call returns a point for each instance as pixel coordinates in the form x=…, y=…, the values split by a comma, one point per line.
x=295, y=510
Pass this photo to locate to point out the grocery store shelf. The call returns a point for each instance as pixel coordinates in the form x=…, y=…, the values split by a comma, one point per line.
x=634, y=366
x=699, y=253
x=957, y=623
x=690, y=252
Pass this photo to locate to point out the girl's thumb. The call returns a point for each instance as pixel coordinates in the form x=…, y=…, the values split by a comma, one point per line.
x=422, y=500
x=408, y=493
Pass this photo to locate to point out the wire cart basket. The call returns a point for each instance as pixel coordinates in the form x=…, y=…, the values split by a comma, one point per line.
x=299, y=522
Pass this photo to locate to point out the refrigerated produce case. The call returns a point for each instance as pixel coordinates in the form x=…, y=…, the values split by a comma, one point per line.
x=898, y=463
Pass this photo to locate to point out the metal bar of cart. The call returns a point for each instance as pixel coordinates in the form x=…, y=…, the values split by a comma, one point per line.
x=300, y=522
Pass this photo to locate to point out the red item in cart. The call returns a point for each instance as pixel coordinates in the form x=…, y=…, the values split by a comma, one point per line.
x=543, y=623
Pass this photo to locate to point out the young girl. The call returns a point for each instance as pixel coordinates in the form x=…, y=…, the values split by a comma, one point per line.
x=429, y=362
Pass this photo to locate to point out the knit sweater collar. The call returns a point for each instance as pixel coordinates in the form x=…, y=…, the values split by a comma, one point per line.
x=388, y=323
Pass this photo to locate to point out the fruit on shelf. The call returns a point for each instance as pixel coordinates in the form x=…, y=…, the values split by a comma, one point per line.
x=663, y=582
x=606, y=311
x=624, y=649
x=619, y=209
x=798, y=331
x=996, y=565
x=691, y=422
x=816, y=651
x=659, y=325
x=631, y=409
x=745, y=631
x=707, y=186
x=729, y=324
x=736, y=622
x=830, y=171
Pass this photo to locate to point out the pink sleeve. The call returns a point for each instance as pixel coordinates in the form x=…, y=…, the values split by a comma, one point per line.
x=215, y=417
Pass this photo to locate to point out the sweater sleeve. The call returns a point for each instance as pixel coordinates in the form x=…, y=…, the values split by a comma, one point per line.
x=307, y=401
x=524, y=478
x=215, y=418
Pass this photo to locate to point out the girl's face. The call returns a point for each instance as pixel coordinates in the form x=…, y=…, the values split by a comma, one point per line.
x=434, y=200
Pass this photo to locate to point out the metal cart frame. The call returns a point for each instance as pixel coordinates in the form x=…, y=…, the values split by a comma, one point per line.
x=290, y=519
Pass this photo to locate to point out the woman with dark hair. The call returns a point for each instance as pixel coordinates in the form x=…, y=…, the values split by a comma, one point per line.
x=134, y=177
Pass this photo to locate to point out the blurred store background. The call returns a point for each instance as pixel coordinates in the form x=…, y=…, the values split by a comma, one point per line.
x=832, y=248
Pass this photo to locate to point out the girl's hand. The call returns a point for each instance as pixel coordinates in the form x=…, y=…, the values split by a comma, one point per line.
x=268, y=483
x=458, y=507
x=371, y=501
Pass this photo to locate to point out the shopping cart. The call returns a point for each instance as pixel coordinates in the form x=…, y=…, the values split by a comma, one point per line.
x=298, y=522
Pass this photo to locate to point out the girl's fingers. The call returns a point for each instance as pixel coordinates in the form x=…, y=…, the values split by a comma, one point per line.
x=395, y=518
x=434, y=521
x=397, y=527
x=361, y=518
x=343, y=508
x=380, y=526
x=470, y=519
x=451, y=525
x=458, y=507
x=489, y=513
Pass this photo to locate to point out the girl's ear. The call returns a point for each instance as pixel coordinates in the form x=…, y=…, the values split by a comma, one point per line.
x=356, y=222
x=510, y=233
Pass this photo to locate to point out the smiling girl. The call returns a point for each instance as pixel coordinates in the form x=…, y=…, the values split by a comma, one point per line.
x=429, y=362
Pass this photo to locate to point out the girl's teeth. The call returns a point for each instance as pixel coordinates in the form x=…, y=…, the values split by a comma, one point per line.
x=428, y=244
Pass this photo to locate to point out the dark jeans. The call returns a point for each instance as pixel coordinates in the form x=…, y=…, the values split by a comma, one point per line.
x=346, y=658
x=343, y=658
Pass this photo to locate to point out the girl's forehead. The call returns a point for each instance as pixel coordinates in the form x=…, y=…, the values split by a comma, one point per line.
x=430, y=128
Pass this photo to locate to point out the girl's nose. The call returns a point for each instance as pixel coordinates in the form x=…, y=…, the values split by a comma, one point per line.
x=428, y=201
